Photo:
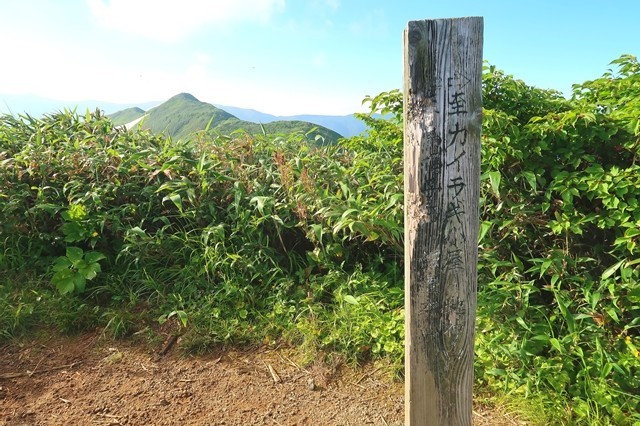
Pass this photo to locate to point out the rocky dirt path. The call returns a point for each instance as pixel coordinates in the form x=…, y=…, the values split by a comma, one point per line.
x=85, y=380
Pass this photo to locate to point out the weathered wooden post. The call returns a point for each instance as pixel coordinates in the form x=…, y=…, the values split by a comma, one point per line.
x=443, y=117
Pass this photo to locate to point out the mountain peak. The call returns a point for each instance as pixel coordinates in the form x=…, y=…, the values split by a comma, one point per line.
x=183, y=114
x=184, y=97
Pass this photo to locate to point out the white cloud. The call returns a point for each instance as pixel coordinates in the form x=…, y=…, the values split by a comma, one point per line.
x=76, y=73
x=49, y=65
x=173, y=20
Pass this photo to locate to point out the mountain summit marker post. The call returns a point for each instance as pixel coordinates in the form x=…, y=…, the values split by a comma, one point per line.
x=442, y=122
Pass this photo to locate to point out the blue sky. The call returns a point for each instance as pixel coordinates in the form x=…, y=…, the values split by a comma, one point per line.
x=286, y=56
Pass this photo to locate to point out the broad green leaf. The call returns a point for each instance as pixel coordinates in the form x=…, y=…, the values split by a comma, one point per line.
x=556, y=344
x=582, y=316
x=79, y=283
x=90, y=270
x=137, y=231
x=360, y=228
x=484, y=228
x=175, y=198
x=633, y=262
x=74, y=254
x=80, y=264
x=595, y=298
x=545, y=266
x=394, y=200
x=531, y=180
x=540, y=338
x=494, y=180
x=63, y=280
x=94, y=256
x=612, y=269
x=61, y=263
x=348, y=213
x=632, y=232
x=613, y=314
x=524, y=325
x=350, y=299
x=182, y=316
x=73, y=232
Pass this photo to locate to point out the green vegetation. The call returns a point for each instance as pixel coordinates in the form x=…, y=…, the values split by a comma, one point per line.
x=320, y=135
x=559, y=298
x=254, y=238
x=182, y=116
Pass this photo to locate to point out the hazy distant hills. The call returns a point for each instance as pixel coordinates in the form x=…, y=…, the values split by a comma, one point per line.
x=345, y=125
x=37, y=106
x=183, y=115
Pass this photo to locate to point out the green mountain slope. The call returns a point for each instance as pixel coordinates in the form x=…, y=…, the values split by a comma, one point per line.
x=126, y=116
x=183, y=114
x=278, y=127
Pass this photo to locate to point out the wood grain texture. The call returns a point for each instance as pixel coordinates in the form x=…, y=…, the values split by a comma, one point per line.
x=443, y=117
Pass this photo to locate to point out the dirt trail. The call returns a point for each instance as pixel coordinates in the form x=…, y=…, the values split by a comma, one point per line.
x=85, y=380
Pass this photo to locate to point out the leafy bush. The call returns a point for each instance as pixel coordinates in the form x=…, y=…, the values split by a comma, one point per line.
x=247, y=238
x=558, y=302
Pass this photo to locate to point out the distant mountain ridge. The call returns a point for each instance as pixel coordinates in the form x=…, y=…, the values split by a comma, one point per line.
x=127, y=115
x=184, y=114
x=345, y=125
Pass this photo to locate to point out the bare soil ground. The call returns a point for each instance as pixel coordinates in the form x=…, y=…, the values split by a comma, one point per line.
x=88, y=380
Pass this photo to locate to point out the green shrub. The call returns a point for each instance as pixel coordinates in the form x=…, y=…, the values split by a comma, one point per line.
x=252, y=238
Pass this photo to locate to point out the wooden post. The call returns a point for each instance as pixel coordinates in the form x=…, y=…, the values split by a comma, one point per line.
x=443, y=118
